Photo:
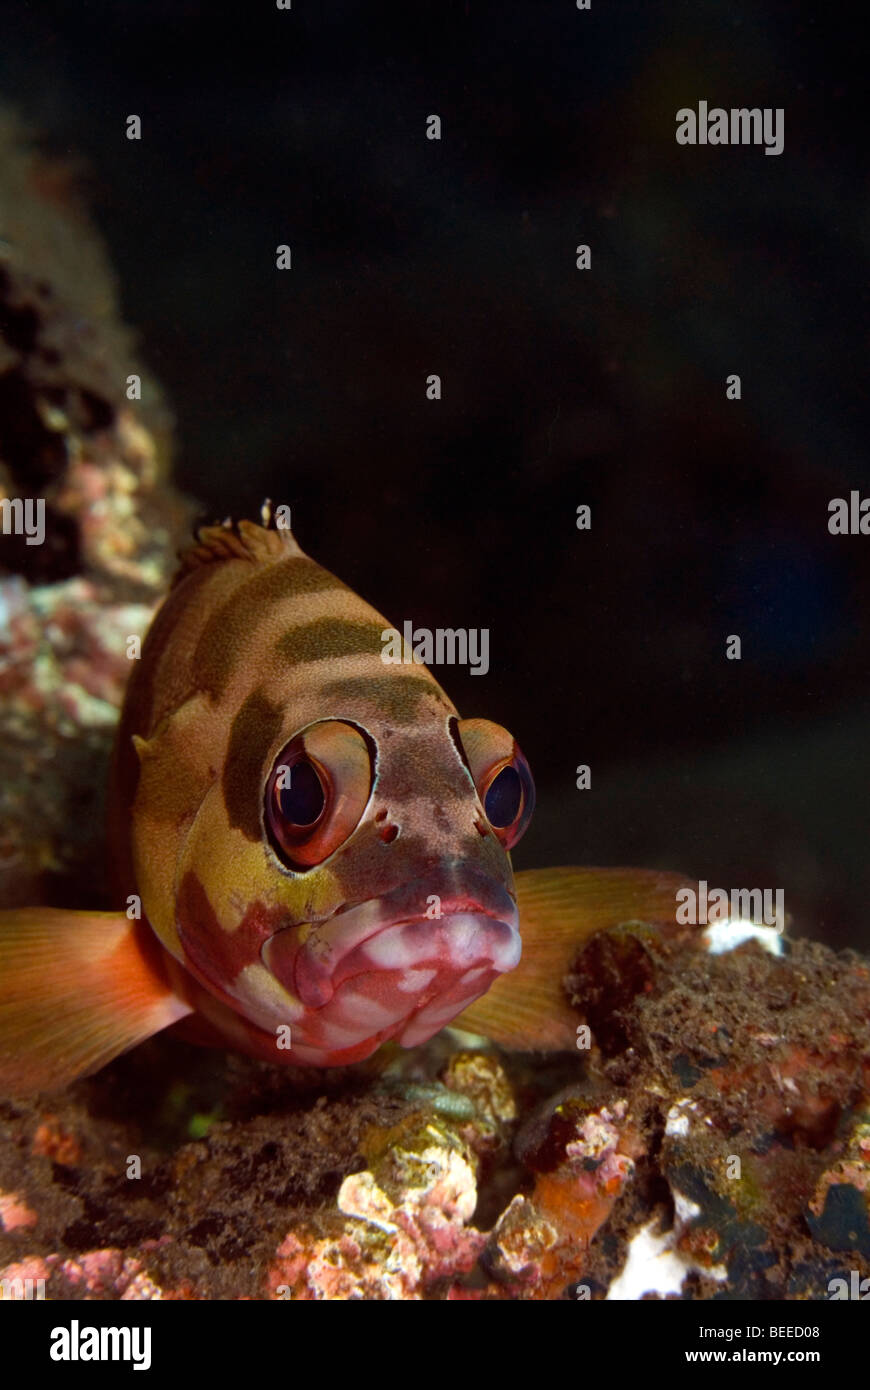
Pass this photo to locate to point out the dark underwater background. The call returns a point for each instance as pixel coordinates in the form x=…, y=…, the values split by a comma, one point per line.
x=560, y=387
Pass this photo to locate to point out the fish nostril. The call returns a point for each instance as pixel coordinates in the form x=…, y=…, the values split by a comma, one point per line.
x=481, y=826
x=381, y=815
x=389, y=833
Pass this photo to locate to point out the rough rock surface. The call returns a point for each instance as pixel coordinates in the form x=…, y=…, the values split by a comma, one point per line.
x=72, y=439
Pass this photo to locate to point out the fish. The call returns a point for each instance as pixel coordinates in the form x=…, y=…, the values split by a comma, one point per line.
x=310, y=848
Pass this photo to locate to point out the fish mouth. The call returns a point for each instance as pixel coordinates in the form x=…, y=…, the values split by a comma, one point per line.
x=366, y=976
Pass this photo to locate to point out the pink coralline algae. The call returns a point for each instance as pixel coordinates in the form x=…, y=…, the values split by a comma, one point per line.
x=96, y=1274
x=63, y=653
x=405, y=1230
x=27, y=1278
x=14, y=1212
x=100, y=1271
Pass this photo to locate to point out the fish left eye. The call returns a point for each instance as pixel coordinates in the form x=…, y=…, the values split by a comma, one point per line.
x=317, y=791
x=502, y=777
x=504, y=798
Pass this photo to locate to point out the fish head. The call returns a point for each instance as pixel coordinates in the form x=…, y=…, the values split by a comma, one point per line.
x=349, y=877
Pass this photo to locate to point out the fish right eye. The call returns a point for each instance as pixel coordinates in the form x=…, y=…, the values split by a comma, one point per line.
x=316, y=793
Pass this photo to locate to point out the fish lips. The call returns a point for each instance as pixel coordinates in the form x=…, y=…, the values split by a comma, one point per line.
x=377, y=966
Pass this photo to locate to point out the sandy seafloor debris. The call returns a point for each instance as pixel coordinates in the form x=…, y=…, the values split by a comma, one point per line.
x=714, y=1142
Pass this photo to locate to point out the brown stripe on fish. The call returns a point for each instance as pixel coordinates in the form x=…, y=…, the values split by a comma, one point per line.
x=227, y=632
x=330, y=639
x=397, y=697
x=161, y=681
x=253, y=733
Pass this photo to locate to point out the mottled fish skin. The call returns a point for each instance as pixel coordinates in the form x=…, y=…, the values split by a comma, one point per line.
x=255, y=643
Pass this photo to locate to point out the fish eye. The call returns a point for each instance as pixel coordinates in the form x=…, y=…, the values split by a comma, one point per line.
x=317, y=791
x=501, y=775
x=303, y=801
x=504, y=798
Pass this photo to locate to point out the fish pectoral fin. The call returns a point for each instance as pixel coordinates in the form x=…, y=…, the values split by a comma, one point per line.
x=76, y=989
x=527, y=1010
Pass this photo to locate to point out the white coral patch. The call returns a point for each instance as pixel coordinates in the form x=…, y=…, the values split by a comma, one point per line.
x=361, y=1197
x=654, y=1266
x=721, y=937
x=677, y=1123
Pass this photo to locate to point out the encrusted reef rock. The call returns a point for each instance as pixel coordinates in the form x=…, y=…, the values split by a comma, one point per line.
x=90, y=525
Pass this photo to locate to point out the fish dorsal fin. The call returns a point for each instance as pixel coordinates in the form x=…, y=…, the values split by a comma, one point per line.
x=239, y=540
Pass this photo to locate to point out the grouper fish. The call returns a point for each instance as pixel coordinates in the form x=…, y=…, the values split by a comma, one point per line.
x=310, y=848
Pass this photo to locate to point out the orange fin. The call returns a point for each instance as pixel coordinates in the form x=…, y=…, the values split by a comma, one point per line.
x=76, y=989
x=527, y=1010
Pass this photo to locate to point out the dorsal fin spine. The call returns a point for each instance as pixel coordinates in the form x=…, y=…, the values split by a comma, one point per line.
x=238, y=540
